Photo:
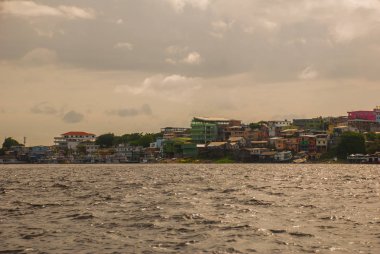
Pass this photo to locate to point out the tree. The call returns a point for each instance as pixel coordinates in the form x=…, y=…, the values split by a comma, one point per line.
x=105, y=140
x=133, y=138
x=350, y=143
x=146, y=139
x=254, y=126
x=9, y=142
x=371, y=136
x=373, y=147
x=139, y=139
x=373, y=142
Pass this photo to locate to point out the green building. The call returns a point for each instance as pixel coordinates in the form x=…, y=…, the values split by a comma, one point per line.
x=179, y=147
x=207, y=129
x=317, y=123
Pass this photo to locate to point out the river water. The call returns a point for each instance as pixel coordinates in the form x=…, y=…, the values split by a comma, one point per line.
x=181, y=208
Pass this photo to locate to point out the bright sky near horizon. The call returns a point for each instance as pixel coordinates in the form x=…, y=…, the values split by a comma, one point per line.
x=138, y=65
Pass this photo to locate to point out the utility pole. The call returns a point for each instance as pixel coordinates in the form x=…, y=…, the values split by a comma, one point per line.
x=24, y=141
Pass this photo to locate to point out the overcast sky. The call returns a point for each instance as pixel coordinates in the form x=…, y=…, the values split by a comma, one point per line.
x=137, y=65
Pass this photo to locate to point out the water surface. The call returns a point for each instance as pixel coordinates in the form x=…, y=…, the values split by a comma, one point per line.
x=236, y=208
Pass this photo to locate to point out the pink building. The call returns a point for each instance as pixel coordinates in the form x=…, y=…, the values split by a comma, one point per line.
x=362, y=115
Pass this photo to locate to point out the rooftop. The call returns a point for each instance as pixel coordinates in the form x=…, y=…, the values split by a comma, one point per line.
x=290, y=130
x=236, y=127
x=212, y=119
x=77, y=133
x=235, y=139
x=259, y=142
x=216, y=144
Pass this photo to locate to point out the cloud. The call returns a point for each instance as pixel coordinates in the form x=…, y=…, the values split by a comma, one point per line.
x=132, y=112
x=123, y=45
x=44, y=108
x=308, y=73
x=182, y=54
x=146, y=109
x=176, y=50
x=193, y=58
x=173, y=87
x=170, y=61
x=32, y=9
x=179, y=5
x=119, y=21
x=273, y=41
x=219, y=28
x=39, y=56
x=48, y=33
x=73, y=12
x=73, y=117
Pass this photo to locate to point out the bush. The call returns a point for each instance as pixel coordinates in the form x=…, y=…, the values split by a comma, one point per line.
x=351, y=143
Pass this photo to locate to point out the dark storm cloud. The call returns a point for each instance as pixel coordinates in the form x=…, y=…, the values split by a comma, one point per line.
x=73, y=117
x=131, y=112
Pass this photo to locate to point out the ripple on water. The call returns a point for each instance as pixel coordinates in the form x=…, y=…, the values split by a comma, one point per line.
x=238, y=208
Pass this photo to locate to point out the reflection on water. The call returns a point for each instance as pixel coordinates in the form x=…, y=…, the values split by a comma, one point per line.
x=236, y=208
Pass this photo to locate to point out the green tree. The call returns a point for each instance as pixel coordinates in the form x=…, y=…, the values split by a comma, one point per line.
x=371, y=136
x=117, y=140
x=134, y=138
x=105, y=140
x=254, y=126
x=146, y=139
x=350, y=143
x=373, y=147
x=9, y=142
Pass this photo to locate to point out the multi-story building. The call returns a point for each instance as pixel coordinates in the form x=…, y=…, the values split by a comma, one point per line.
x=336, y=122
x=261, y=134
x=241, y=131
x=70, y=140
x=364, y=120
x=180, y=148
x=284, y=156
x=308, y=143
x=40, y=153
x=175, y=132
x=377, y=113
x=208, y=129
x=275, y=127
x=322, y=142
x=91, y=147
x=363, y=115
x=317, y=123
x=280, y=144
x=127, y=153
x=293, y=144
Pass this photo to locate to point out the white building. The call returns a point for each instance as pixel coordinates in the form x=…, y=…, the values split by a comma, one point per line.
x=72, y=139
x=283, y=156
x=276, y=126
x=91, y=147
x=322, y=142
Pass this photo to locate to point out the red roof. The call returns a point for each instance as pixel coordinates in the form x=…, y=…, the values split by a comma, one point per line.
x=77, y=133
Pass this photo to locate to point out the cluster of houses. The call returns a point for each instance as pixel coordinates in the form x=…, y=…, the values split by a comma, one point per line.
x=74, y=147
x=210, y=138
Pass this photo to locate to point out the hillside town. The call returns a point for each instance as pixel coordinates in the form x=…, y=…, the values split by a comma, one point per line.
x=352, y=138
